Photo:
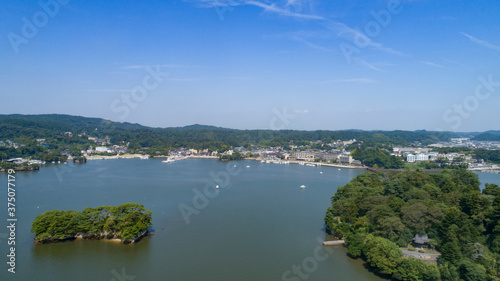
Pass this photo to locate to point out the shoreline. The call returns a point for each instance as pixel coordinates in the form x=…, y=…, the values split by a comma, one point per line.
x=316, y=164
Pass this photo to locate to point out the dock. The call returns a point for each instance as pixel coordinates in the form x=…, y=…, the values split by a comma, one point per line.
x=333, y=243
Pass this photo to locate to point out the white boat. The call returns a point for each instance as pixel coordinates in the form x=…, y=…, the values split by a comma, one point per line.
x=143, y=157
x=248, y=166
x=216, y=187
x=263, y=161
x=320, y=173
x=310, y=165
x=302, y=186
x=340, y=170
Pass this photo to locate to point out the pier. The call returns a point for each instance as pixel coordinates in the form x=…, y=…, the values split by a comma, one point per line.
x=333, y=243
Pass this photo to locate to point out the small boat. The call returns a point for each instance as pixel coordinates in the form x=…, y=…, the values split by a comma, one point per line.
x=234, y=166
x=340, y=170
x=302, y=186
x=263, y=161
x=248, y=166
x=216, y=187
x=310, y=165
x=320, y=173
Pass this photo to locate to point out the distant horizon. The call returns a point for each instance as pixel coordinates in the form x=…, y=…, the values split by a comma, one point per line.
x=220, y=127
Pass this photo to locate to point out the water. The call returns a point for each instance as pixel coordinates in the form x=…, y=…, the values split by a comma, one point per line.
x=257, y=228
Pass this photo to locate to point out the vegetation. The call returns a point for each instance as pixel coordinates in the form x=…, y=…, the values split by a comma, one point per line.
x=26, y=129
x=377, y=158
x=377, y=213
x=234, y=156
x=125, y=222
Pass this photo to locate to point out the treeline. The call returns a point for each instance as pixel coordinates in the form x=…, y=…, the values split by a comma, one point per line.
x=126, y=222
x=377, y=158
x=377, y=213
x=488, y=155
x=198, y=136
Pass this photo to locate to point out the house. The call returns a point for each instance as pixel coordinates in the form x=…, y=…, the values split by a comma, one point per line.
x=421, y=241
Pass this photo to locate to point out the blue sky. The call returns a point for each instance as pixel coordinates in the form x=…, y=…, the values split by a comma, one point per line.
x=256, y=64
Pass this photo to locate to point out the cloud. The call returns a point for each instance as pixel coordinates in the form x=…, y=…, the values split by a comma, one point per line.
x=355, y=80
x=481, y=42
x=432, y=64
x=346, y=32
x=367, y=64
x=270, y=8
x=301, y=111
x=159, y=65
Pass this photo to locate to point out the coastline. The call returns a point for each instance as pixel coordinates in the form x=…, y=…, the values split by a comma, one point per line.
x=317, y=164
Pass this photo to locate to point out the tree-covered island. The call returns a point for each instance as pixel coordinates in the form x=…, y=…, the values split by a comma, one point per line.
x=128, y=222
x=400, y=222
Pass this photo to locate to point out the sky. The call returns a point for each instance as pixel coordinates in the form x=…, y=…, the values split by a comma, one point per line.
x=256, y=64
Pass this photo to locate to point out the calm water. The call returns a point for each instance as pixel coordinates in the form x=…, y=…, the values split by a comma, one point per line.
x=256, y=228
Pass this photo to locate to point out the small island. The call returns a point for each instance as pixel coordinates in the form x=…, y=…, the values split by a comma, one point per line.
x=128, y=223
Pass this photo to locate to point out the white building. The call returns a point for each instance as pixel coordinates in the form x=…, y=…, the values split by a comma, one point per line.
x=101, y=149
x=345, y=158
x=422, y=157
x=410, y=158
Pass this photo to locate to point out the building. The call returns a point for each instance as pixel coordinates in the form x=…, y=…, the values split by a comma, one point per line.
x=343, y=158
x=304, y=155
x=421, y=241
x=410, y=158
x=101, y=149
x=422, y=157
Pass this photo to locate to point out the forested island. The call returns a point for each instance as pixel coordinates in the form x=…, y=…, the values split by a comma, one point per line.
x=128, y=222
x=381, y=214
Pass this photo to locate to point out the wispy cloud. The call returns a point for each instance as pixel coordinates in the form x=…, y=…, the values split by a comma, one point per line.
x=301, y=111
x=345, y=80
x=432, y=64
x=481, y=42
x=159, y=65
x=269, y=8
x=344, y=31
x=107, y=90
x=273, y=8
x=367, y=64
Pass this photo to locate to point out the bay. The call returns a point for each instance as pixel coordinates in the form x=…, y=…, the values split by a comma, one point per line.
x=260, y=226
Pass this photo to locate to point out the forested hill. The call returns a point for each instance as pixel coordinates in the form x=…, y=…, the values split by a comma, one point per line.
x=52, y=126
x=378, y=214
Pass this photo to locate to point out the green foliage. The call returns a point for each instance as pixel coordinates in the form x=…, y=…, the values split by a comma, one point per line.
x=378, y=212
x=124, y=222
x=378, y=158
x=411, y=269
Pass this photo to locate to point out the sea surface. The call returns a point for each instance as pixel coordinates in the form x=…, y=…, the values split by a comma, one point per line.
x=258, y=225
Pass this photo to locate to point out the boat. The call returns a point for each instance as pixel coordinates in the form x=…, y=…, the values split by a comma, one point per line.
x=144, y=157
x=310, y=165
x=340, y=170
x=216, y=187
x=302, y=186
x=248, y=166
x=263, y=161
x=320, y=173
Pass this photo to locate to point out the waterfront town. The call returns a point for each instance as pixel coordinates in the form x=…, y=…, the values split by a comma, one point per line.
x=338, y=153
